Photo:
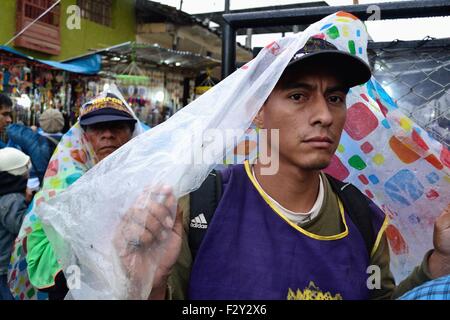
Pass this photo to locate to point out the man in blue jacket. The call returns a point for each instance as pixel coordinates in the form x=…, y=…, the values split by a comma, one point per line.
x=5, y=114
x=39, y=145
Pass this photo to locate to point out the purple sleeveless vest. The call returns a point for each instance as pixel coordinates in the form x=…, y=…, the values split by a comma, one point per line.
x=250, y=252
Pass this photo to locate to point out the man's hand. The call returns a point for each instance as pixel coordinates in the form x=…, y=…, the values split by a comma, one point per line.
x=148, y=242
x=439, y=261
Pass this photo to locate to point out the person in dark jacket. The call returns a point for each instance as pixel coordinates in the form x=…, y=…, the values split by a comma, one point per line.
x=5, y=114
x=14, y=168
x=39, y=145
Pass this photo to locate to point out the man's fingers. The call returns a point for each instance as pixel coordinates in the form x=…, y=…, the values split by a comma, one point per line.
x=170, y=200
x=158, y=223
x=143, y=226
x=157, y=194
x=148, y=222
x=159, y=202
x=443, y=221
x=136, y=236
x=159, y=211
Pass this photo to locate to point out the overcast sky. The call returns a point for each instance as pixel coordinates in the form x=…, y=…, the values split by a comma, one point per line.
x=388, y=30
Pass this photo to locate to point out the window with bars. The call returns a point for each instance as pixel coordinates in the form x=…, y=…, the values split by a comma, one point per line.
x=99, y=11
x=42, y=35
x=34, y=8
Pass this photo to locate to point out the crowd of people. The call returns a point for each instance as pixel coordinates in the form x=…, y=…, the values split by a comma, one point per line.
x=267, y=237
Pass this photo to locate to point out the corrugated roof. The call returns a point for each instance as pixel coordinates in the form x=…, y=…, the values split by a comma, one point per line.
x=154, y=55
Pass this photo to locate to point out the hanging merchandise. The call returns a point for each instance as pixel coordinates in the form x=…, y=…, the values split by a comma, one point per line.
x=92, y=89
x=14, y=80
x=1, y=80
x=59, y=78
x=207, y=84
x=46, y=85
x=132, y=74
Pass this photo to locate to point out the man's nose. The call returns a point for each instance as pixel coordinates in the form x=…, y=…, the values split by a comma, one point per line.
x=8, y=119
x=107, y=133
x=321, y=112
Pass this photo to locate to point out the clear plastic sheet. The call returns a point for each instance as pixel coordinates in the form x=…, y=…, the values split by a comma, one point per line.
x=81, y=222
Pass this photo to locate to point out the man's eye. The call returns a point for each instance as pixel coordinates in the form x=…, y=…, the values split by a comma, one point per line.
x=336, y=99
x=297, y=97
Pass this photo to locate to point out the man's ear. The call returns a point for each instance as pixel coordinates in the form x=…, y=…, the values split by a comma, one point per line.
x=258, y=121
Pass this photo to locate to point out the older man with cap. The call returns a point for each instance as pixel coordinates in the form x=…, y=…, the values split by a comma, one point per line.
x=108, y=124
x=105, y=124
x=14, y=167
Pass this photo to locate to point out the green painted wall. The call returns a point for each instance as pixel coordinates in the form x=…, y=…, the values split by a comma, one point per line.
x=7, y=20
x=91, y=35
x=95, y=36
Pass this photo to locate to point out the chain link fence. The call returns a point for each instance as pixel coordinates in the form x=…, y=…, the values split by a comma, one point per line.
x=416, y=74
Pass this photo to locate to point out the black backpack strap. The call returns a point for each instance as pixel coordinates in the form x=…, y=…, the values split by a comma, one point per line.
x=357, y=207
x=53, y=142
x=202, y=204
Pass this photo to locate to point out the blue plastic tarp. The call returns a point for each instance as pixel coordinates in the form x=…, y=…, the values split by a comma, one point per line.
x=90, y=64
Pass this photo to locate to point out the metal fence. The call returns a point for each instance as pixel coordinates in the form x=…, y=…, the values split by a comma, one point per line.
x=416, y=74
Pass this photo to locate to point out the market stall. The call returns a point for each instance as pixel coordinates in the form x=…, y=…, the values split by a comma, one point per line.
x=35, y=85
x=157, y=82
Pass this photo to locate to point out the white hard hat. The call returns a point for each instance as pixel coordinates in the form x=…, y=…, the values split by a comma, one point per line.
x=14, y=161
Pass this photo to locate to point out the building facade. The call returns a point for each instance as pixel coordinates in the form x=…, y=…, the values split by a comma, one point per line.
x=71, y=29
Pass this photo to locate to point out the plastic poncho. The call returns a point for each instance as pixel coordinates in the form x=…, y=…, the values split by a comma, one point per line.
x=396, y=163
x=72, y=158
x=382, y=152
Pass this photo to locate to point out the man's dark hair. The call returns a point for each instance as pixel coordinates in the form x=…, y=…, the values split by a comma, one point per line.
x=5, y=101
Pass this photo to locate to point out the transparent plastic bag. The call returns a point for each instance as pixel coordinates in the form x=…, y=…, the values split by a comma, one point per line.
x=81, y=221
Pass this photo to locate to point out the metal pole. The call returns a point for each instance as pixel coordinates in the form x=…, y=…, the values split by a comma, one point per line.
x=248, y=39
x=228, y=46
x=305, y=16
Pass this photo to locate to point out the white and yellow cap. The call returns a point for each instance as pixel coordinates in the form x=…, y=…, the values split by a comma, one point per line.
x=14, y=161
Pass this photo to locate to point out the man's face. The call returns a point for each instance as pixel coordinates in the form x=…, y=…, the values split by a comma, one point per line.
x=107, y=137
x=308, y=107
x=5, y=117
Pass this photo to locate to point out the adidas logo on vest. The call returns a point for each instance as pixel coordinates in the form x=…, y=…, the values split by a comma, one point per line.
x=199, y=222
